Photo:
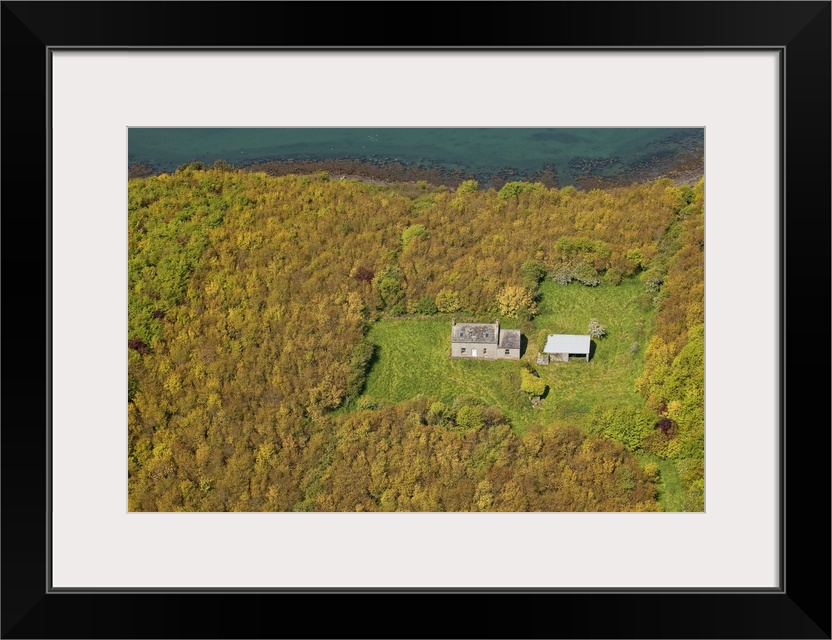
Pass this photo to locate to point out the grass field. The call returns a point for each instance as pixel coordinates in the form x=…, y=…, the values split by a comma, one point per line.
x=413, y=358
x=671, y=492
x=610, y=375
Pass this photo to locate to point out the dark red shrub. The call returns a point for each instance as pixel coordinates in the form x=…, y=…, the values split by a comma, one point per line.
x=666, y=426
x=138, y=345
x=363, y=274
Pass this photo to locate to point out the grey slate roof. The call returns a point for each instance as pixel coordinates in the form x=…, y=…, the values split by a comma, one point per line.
x=509, y=339
x=566, y=343
x=469, y=332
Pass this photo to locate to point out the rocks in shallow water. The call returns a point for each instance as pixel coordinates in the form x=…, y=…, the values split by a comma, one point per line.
x=368, y=169
x=685, y=165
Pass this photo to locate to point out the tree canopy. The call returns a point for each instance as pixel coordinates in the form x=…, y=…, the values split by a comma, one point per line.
x=249, y=301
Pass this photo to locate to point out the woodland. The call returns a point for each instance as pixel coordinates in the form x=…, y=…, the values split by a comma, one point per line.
x=253, y=306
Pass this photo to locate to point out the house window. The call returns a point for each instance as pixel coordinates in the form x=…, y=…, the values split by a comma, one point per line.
x=508, y=352
x=486, y=335
x=462, y=350
x=461, y=335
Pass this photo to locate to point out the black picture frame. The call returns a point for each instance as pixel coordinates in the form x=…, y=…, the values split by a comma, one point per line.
x=799, y=31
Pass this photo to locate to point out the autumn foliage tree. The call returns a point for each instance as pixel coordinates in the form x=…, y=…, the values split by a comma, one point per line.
x=672, y=382
x=517, y=302
x=249, y=300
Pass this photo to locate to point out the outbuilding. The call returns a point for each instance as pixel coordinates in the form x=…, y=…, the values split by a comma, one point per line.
x=560, y=347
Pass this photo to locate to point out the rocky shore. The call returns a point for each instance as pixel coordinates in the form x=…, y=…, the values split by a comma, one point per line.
x=684, y=167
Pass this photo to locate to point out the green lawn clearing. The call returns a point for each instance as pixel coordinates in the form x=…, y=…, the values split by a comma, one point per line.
x=413, y=358
x=617, y=359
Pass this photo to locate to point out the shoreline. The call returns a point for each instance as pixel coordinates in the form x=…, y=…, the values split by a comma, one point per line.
x=686, y=167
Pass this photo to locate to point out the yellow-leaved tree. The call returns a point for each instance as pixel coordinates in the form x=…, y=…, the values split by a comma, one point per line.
x=517, y=302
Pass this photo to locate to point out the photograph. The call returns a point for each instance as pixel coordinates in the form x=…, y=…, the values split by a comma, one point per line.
x=470, y=281
x=431, y=319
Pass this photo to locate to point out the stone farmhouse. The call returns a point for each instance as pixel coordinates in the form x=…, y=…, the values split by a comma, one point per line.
x=485, y=341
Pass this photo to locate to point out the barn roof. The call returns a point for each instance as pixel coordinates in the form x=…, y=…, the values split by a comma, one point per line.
x=470, y=332
x=509, y=339
x=566, y=343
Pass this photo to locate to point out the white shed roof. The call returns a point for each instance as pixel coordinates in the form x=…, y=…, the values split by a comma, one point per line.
x=564, y=343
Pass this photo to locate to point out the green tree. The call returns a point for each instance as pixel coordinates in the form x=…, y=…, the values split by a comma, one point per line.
x=532, y=384
x=360, y=358
x=469, y=417
x=586, y=275
x=413, y=231
x=389, y=285
x=613, y=276
x=425, y=306
x=517, y=188
x=533, y=272
x=629, y=425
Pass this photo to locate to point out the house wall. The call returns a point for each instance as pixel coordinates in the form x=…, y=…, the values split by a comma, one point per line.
x=514, y=354
x=491, y=350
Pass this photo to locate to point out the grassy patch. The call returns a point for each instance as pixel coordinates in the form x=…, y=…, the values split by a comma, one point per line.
x=413, y=358
x=618, y=358
x=671, y=492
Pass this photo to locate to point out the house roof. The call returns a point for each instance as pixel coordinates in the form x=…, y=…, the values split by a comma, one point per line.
x=509, y=339
x=470, y=332
x=566, y=343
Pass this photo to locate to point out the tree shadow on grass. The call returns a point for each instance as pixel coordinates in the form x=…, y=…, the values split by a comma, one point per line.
x=371, y=362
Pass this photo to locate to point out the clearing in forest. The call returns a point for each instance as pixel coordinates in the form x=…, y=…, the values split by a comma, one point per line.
x=413, y=357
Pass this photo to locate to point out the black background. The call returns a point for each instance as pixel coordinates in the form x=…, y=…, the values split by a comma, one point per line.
x=800, y=609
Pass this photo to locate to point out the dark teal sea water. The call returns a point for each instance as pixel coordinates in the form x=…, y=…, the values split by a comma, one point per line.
x=571, y=152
